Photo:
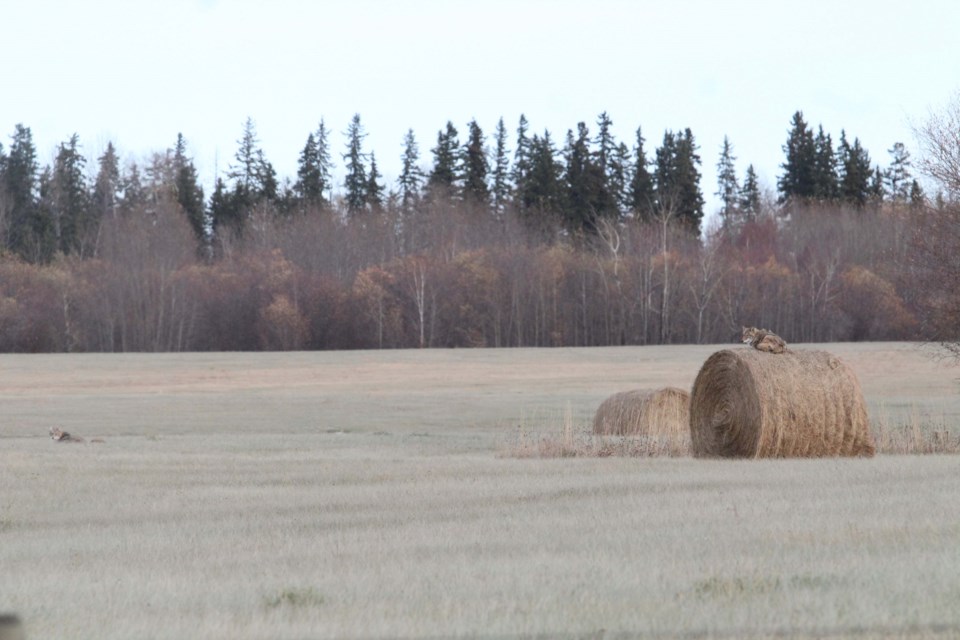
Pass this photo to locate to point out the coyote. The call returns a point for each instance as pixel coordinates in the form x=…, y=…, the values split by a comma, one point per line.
x=59, y=435
x=763, y=340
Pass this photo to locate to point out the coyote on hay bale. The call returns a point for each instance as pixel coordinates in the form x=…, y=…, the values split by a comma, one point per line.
x=763, y=340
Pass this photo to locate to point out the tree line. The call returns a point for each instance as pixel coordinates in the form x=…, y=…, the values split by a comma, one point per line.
x=500, y=242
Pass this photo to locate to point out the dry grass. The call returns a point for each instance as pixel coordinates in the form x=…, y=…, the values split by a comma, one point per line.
x=360, y=495
x=569, y=440
x=920, y=432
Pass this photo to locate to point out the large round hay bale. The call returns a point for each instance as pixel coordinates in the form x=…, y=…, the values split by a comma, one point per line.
x=750, y=404
x=660, y=413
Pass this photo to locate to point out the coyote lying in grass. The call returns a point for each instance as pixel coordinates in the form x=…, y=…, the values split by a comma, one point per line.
x=763, y=340
x=59, y=435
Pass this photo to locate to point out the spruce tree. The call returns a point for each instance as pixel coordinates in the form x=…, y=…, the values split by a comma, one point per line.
x=224, y=212
x=254, y=178
x=584, y=182
x=750, y=195
x=475, y=167
x=856, y=172
x=43, y=241
x=641, y=183
x=877, y=192
x=355, y=183
x=244, y=172
x=134, y=195
x=917, y=198
x=189, y=191
x=107, y=187
x=898, y=179
x=688, y=172
x=797, y=181
x=825, y=185
x=542, y=196
x=324, y=162
x=501, y=170
x=521, y=157
x=309, y=185
x=606, y=145
x=618, y=179
x=443, y=177
x=677, y=179
x=68, y=197
x=727, y=188
x=411, y=177
x=20, y=182
x=375, y=189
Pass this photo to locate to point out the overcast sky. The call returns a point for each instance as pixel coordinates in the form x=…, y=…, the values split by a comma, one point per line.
x=137, y=72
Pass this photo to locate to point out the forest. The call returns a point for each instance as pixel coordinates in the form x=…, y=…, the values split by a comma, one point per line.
x=509, y=240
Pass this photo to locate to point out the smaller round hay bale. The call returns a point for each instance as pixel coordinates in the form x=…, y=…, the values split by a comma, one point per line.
x=659, y=413
x=800, y=404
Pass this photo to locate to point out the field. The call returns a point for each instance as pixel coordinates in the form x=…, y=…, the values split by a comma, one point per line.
x=373, y=494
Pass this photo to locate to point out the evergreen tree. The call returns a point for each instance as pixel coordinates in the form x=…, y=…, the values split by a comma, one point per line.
x=521, y=157
x=375, y=188
x=309, y=185
x=750, y=195
x=825, y=185
x=411, y=177
x=244, y=173
x=799, y=168
x=898, y=179
x=443, y=178
x=917, y=198
x=641, y=183
x=254, y=178
x=356, y=182
x=20, y=183
x=606, y=145
x=585, y=198
x=728, y=189
x=475, y=167
x=189, y=191
x=224, y=212
x=501, y=169
x=605, y=158
x=324, y=162
x=68, y=197
x=43, y=241
x=542, y=195
x=134, y=196
x=877, y=191
x=267, y=179
x=677, y=178
x=618, y=178
x=107, y=187
x=856, y=172
x=691, y=198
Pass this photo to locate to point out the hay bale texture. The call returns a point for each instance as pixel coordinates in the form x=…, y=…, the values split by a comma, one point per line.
x=750, y=404
x=660, y=413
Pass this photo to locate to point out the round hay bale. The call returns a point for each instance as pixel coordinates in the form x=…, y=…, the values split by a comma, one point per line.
x=750, y=404
x=661, y=413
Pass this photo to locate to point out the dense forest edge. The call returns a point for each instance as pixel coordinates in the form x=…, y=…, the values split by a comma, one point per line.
x=506, y=241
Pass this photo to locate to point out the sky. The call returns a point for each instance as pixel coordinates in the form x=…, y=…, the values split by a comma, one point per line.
x=137, y=72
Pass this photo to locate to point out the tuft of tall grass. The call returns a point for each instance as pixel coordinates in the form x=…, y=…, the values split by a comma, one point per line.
x=919, y=432
x=571, y=440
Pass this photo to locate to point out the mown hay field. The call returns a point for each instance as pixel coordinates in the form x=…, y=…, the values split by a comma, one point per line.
x=372, y=494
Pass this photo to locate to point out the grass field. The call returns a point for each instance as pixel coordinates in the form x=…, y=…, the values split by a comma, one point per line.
x=368, y=494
